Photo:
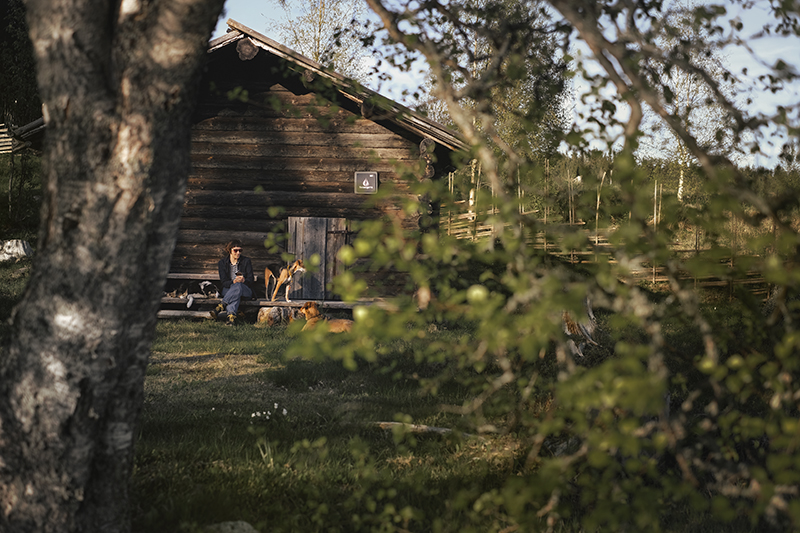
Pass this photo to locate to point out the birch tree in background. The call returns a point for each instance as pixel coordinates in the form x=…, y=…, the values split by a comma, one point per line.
x=685, y=95
x=327, y=31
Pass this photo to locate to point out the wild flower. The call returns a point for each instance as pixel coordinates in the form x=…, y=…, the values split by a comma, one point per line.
x=268, y=414
x=259, y=414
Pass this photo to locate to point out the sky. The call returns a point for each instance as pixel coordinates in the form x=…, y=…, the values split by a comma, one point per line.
x=767, y=50
x=265, y=16
x=259, y=15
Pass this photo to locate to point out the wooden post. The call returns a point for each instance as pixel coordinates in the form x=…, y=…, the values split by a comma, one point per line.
x=11, y=188
x=473, y=197
x=696, y=248
x=569, y=210
x=519, y=206
x=655, y=207
x=660, y=199
x=546, y=200
x=572, y=213
x=452, y=202
x=734, y=244
x=597, y=211
x=655, y=222
x=569, y=200
x=477, y=199
x=774, y=238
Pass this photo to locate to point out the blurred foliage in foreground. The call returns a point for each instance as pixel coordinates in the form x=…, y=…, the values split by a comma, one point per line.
x=681, y=406
x=646, y=425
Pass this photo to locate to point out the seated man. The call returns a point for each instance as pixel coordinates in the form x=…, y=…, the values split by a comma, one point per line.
x=235, y=275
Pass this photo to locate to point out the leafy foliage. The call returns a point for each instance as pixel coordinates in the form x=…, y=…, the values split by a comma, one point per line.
x=679, y=407
x=526, y=103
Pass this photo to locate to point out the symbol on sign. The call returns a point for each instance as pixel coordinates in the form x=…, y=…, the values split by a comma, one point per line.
x=366, y=182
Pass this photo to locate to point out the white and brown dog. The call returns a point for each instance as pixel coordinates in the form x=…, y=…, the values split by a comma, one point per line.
x=284, y=278
x=310, y=312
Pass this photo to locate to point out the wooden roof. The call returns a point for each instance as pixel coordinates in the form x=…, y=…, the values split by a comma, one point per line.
x=30, y=135
x=390, y=110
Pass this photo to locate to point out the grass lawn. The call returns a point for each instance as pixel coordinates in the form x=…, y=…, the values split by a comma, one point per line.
x=232, y=431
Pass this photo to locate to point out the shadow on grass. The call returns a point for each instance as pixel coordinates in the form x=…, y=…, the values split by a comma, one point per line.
x=291, y=445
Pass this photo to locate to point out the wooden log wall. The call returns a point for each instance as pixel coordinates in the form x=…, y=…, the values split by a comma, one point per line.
x=283, y=152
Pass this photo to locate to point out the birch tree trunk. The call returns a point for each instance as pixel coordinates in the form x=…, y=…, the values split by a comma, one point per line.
x=117, y=82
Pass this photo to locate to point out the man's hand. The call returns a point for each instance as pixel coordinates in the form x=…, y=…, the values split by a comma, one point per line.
x=239, y=279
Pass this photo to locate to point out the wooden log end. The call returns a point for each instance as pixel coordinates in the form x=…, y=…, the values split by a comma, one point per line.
x=247, y=50
x=367, y=109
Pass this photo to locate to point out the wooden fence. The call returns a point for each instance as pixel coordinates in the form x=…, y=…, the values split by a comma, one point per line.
x=5, y=140
x=459, y=222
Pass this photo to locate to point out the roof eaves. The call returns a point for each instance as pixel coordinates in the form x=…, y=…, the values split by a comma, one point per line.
x=219, y=42
x=30, y=135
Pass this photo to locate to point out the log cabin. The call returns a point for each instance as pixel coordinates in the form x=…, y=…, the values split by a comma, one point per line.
x=283, y=146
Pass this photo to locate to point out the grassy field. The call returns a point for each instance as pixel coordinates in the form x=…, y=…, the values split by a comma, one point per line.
x=232, y=431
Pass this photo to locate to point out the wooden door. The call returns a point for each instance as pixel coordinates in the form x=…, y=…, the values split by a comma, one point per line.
x=323, y=237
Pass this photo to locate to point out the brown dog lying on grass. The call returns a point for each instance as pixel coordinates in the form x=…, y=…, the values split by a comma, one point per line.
x=310, y=311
